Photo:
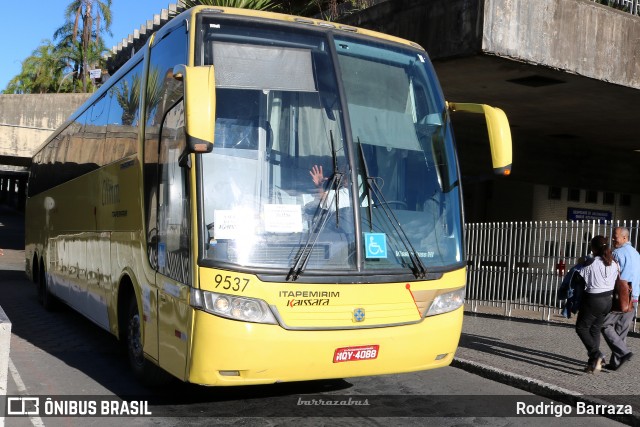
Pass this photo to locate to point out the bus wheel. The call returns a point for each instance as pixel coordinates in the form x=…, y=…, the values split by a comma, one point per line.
x=46, y=298
x=148, y=373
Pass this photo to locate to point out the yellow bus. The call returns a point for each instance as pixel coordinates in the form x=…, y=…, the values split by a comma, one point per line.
x=256, y=198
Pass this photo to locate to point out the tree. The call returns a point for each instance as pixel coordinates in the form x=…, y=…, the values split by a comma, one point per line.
x=80, y=44
x=71, y=52
x=40, y=73
x=323, y=9
x=87, y=20
x=245, y=4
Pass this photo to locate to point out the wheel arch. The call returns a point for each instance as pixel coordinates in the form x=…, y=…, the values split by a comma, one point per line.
x=42, y=273
x=126, y=291
x=35, y=268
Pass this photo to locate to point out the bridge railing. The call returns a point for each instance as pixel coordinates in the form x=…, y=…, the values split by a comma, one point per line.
x=631, y=6
x=519, y=266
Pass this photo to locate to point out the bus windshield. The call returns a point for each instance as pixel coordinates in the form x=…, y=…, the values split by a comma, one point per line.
x=309, y=127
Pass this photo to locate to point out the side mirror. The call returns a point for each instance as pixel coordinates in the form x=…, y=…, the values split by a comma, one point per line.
x=199, y=106
x=499, y=133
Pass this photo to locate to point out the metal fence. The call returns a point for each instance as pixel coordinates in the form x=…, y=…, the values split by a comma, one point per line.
x=631, y=6
x=520, y=265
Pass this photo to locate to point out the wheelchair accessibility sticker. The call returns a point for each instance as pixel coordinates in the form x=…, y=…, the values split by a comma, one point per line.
x=375, y=245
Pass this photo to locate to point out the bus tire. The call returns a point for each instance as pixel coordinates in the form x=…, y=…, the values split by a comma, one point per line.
x=144, y=370
x=45, y=297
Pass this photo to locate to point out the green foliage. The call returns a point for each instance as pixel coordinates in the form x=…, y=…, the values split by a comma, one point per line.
x=40, y=72
x=128, y=96
x=615, y=4
x=154, y=89
x=86, y=21
x=328, y=10
x=79, y=49
x=245, y=4
x=324, y=9
x=64, y=67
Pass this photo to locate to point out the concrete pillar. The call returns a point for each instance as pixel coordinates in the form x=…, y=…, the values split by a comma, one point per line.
x=4, y=190
x=11, y=191
x=22, y=193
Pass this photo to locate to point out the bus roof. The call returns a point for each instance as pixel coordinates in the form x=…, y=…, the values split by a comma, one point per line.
x=302, y=20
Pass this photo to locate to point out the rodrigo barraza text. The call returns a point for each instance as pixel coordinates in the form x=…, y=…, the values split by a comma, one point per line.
x=581, y=408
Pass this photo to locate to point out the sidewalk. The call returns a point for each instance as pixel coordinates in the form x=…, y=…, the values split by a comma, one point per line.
x=545, y=358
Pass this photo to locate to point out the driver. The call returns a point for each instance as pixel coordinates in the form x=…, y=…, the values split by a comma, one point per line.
x=319, y=180
x=344, y=198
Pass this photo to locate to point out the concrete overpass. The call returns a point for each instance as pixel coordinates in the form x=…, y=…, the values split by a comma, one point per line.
x=25, y=122
x=566, y=72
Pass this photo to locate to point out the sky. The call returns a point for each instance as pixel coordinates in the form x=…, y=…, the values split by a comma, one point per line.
x=23, y=26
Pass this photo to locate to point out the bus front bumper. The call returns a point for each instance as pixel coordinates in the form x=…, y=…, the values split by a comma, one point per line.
x=227, y=352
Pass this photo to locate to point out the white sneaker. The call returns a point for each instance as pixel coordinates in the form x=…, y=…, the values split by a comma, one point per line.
x=598, y=366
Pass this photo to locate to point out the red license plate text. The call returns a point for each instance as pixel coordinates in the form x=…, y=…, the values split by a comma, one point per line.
x=351, y=354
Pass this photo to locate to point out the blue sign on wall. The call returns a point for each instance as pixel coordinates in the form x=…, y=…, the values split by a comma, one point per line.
x=581, y=214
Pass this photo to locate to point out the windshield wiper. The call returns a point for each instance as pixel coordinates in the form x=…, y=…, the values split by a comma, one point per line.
x=418, y=268
x=367, y=187
x=302, y=257
x=315, y=229
x=335, y=171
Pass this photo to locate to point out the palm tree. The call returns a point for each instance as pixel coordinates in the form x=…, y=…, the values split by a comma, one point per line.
x=95, y=18
x=330, y=10
x=40, y=72
x=48, y=66
x=325, y=9
x=245, y=4
x=70, y=50
x=127, y=94
x=19, y=84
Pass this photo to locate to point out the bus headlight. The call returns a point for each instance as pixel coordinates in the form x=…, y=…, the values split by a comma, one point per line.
x=445, y=303
x=232, y=306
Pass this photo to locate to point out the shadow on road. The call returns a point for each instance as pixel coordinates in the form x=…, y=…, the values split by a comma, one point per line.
x=76, y=341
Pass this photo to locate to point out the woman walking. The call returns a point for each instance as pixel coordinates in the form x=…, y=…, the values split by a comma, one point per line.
x=599, y=273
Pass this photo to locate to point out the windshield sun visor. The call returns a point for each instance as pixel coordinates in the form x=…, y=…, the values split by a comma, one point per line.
x=263, y=67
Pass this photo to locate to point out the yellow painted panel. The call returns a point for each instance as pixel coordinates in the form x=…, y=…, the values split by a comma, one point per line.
x=265, y=354
x=305, y=305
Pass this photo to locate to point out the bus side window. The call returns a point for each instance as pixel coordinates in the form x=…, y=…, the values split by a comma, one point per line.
x=162, y=93
x=173, y=201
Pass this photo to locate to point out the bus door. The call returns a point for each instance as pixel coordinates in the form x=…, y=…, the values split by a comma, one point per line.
x=173, y=277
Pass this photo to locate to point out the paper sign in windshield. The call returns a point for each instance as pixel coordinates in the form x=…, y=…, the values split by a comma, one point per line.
x=282, y=218
x=232, y=224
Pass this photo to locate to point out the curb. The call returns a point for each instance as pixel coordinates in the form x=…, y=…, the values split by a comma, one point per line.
x=539, y=388
x=5, y=342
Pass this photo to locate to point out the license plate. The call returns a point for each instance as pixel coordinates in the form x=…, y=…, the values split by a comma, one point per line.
x=351, y=354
